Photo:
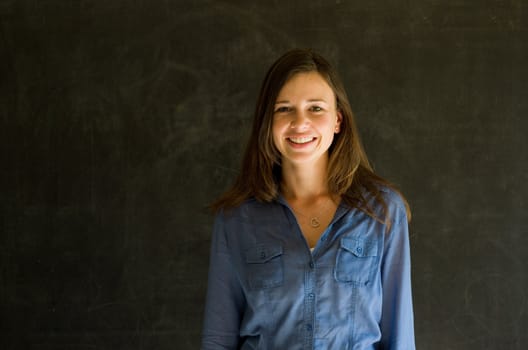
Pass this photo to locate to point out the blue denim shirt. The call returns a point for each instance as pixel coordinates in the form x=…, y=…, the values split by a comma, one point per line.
x=266, y=290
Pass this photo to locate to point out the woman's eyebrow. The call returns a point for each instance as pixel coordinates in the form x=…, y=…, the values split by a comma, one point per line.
x=310, y=100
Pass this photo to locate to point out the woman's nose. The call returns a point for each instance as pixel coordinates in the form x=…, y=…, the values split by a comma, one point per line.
x=299, y=120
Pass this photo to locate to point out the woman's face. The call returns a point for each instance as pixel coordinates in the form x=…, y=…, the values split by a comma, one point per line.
x=305, y=119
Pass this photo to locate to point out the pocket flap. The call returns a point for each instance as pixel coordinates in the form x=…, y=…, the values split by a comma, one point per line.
x=360, y=247
x=262, y=253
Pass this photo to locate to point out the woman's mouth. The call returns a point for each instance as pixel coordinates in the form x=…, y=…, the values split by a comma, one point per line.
x=300, y=140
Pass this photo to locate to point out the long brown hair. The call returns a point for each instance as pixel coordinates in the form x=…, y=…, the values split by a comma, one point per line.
x=350, y=174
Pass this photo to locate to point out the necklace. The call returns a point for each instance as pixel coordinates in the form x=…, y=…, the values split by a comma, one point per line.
x=313, y=220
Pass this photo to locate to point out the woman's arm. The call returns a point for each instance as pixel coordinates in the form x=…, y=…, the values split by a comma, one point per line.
x=225, y=300
x=397, y=321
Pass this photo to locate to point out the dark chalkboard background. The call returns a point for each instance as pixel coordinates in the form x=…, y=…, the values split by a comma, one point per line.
x=121, y=120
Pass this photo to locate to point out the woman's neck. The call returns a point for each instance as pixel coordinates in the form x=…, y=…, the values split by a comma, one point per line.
x=305, y=181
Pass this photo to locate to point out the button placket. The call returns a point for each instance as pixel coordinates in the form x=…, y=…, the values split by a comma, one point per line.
x=309, y=304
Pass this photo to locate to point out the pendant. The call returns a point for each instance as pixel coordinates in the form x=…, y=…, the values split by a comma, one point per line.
x=314, y=222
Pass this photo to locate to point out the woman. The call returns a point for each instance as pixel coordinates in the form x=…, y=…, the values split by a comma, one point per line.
x=310, y=248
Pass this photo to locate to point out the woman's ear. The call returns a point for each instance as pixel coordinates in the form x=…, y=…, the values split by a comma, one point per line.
x=338, y=122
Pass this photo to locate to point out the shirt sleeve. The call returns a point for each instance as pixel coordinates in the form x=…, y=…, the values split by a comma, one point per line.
x=397, y=321
x=225, y=299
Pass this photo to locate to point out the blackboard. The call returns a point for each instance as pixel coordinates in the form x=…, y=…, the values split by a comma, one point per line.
x=121, y=120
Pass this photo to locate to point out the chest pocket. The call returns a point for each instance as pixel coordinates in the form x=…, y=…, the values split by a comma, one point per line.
x=264, y=266
x=356, y=261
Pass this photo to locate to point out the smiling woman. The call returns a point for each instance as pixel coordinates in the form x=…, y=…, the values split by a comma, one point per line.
x=310, y=248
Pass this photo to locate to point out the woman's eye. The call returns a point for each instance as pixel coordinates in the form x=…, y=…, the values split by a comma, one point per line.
x=283, y=109
x=316, y=109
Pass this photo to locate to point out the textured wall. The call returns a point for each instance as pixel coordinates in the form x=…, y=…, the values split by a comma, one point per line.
x=121, y=120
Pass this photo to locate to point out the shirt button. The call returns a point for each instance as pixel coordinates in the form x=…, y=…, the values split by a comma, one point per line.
x=359, y=250
x=309, y=327
x=311, y=295
x=311, y=264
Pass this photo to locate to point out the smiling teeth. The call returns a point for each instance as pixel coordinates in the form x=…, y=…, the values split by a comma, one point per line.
x=301, y=139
